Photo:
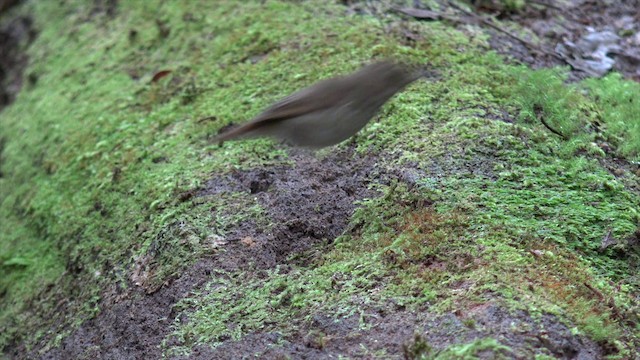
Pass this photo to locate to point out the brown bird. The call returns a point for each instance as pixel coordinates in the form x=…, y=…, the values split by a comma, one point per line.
x=329, y=111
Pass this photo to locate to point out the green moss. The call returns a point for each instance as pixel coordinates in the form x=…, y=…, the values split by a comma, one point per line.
x=543, y=94
x=97, y=158
x=519, y=218
x=233, y=305
x=99, y=162
x=594, y=114
x=471, y=350
x=619, y=108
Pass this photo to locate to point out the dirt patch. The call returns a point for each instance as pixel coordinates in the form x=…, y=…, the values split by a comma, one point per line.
x=15, y=36
x=391, y=332
x=558, y=26
x=107, y=7
x=308, y=203
x=6, y=4
x=592, y=37
x=131, y=325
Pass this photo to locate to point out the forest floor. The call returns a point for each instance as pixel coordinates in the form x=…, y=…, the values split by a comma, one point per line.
x=490, y=211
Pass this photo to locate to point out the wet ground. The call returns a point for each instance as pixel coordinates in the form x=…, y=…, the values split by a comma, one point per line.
x=312, y=200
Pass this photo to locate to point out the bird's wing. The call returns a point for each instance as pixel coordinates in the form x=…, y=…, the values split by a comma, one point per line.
x=314, y=98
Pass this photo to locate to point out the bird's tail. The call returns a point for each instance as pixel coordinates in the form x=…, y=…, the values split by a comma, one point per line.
x=241, y=131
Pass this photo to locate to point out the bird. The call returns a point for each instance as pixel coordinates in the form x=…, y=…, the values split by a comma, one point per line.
x=329, y=111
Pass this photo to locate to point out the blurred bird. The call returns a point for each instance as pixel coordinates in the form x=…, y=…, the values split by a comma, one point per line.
x=329, y=111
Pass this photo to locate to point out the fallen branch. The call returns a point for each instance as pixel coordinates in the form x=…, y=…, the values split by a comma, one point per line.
x=538, y=110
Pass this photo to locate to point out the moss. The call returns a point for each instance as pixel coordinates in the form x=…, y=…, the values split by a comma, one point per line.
x=602, y=112
x=520, y=211
x=99, y=162
x=97, y=157
x=471, y=350
x=619, y=108
x=519, y=217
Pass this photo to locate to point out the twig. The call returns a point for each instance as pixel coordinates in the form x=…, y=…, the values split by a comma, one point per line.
x=595, y=291
x=551, y=129
x=207, y=118
x=607, y=241
x=538, y=110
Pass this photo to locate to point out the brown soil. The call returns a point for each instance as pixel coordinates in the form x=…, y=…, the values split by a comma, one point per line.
x=15, y=36
x=552, y=24
x=396, y=332
x=556, y=25
x=311, y=203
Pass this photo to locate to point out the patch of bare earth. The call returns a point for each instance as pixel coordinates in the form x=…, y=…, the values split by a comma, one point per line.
x=557, y=33
x=554, y=23
x=391, y=332
x=15, y=36
x=309, y=203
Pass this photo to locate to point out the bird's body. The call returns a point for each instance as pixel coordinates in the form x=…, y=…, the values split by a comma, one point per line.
x=330, y=111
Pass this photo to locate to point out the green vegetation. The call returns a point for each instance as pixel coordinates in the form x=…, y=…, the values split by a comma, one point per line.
x=99, y=162
x=619, y=106
x=420, y=350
